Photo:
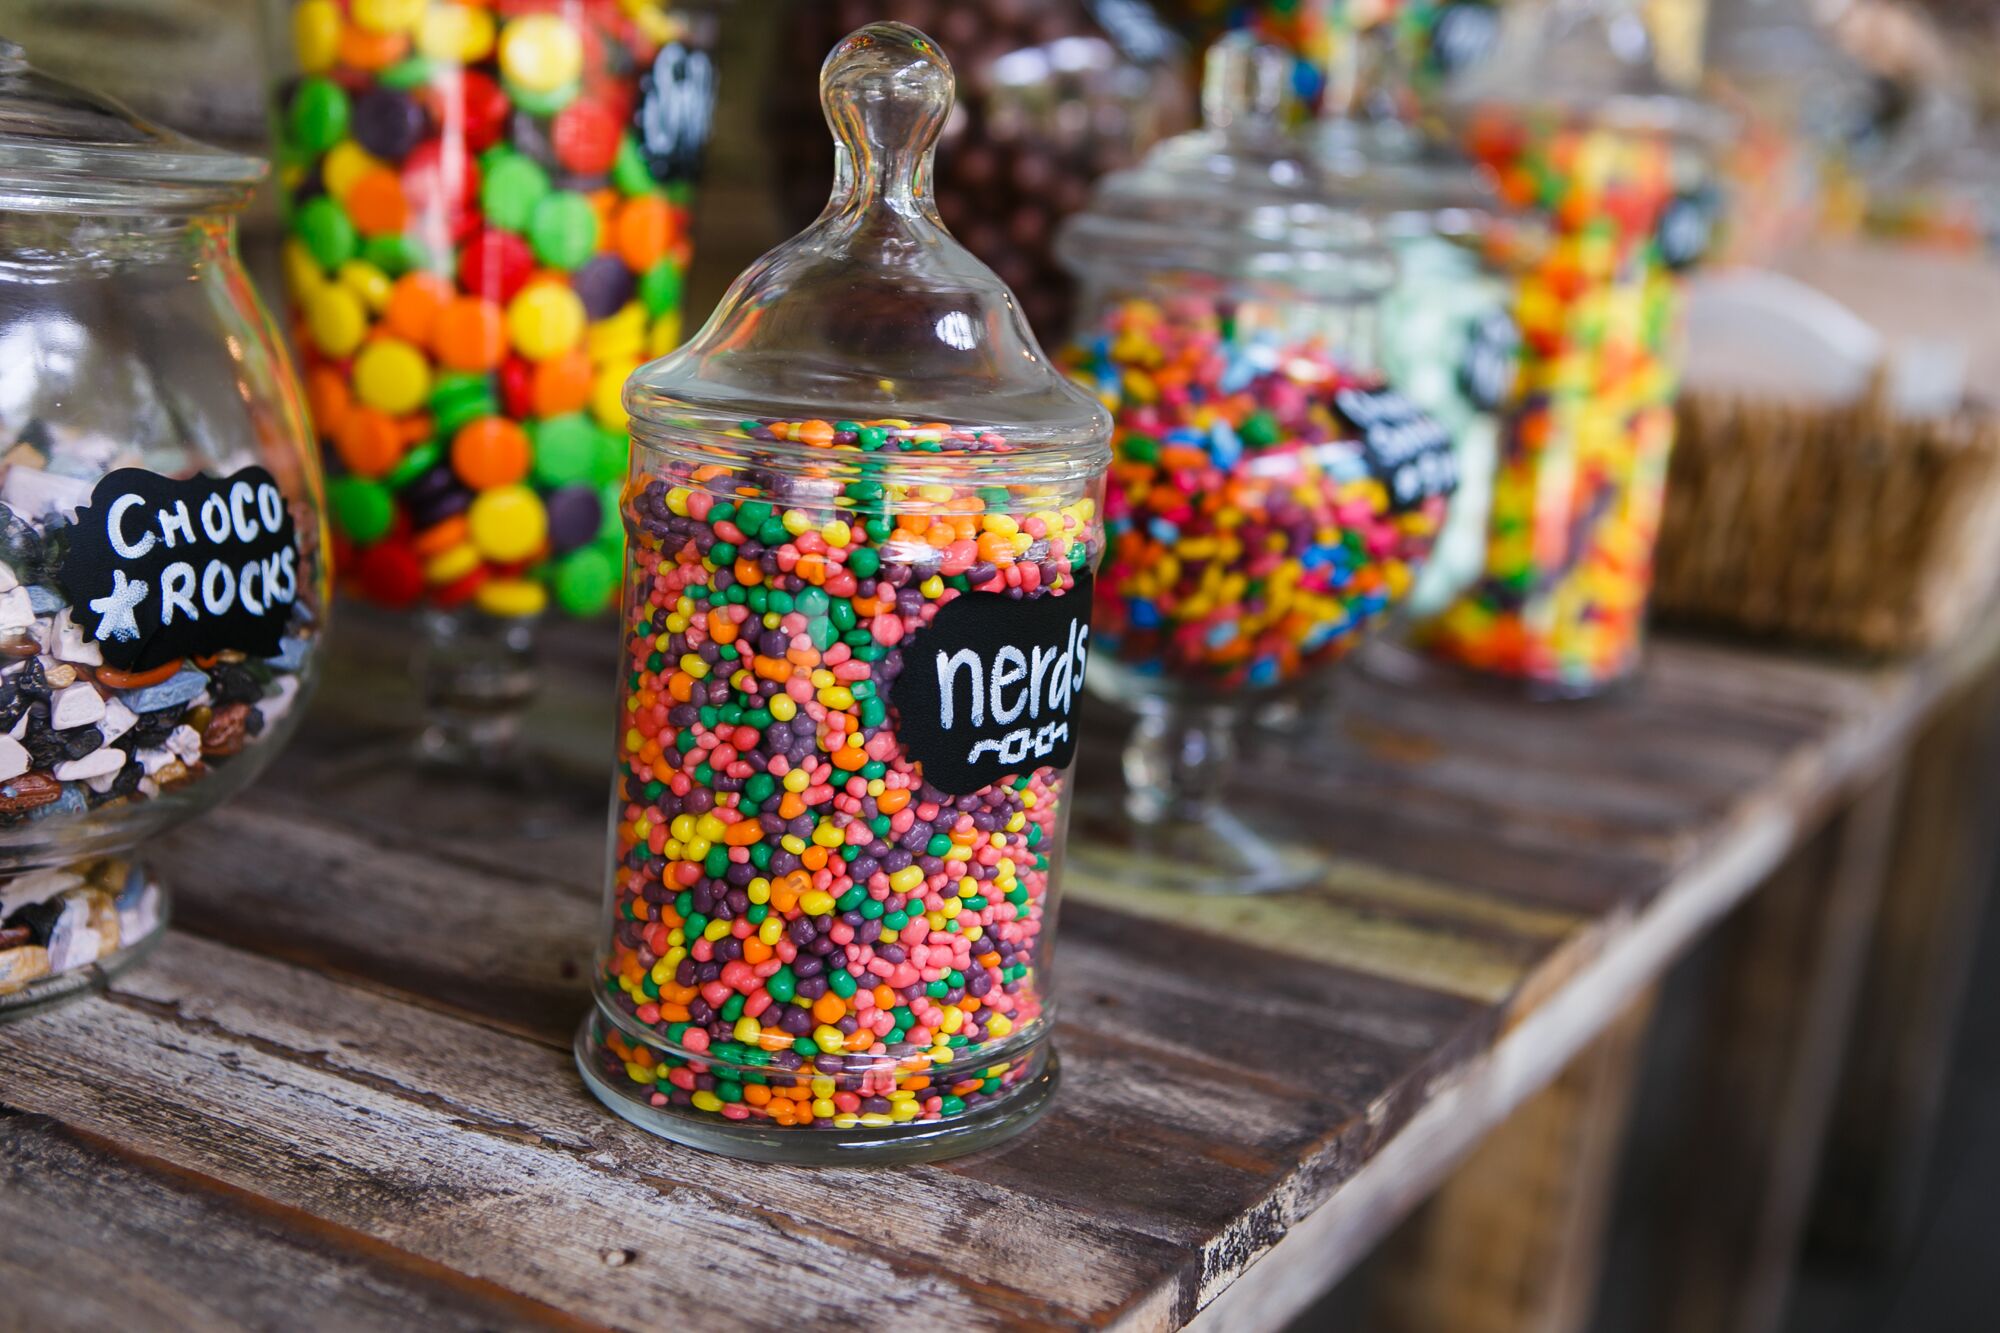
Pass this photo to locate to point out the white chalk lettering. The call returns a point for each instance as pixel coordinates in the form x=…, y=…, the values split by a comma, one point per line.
x=215, y=517
x=177, y=588
x=1010, y=668
x=217, y=594
x=176, y=520
x=243, y=511
x=947, y=671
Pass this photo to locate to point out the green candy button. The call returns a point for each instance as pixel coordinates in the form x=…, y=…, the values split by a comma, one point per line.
x=585, y=581
x=327, y=232
x=565, y=449
x=363, y=509
x=318, y=117
x=660, y=288
x=563, y=230
x=614, y=454
x=629, y=172
x=512, y=187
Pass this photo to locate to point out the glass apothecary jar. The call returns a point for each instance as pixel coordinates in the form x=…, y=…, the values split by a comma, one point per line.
x=162, y=589
x=863, y=512
x=487, y=214
x=1271, y=498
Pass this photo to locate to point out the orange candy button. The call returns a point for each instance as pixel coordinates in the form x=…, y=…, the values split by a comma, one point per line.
x=644, y=231
x=561, y=384
x=375, y=203
x=368, y=442
x=328, y=398
x=471, y=334
x=415, y=303
x=489, y=452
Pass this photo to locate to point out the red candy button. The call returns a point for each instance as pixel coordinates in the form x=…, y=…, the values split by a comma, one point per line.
x=447, y=188
x=389, y=574
x=517, y=388
x=473, y=102
x=586, y=136
x=495, y=265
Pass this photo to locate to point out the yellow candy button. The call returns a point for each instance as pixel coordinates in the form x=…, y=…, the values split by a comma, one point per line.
x=540, y=53
x=619, y=337
x=607, y=395
x=316, y=35
x=335, y=319
x=392, y=375
x=665, y=335
x=451, y=565
x=457, y=33
x=508, y=524
x=346, y=162
x=512, y=597
x=302, y=271
x=388, y=15
x=366, y=281
x=545, y=320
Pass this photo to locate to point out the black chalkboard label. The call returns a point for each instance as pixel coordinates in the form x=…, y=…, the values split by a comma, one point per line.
x=990, y=687
x=159, y=569
x=1687, y=229
x=1404, y=446
x=675, y=111
x=1463, y=35
x=1492, y=355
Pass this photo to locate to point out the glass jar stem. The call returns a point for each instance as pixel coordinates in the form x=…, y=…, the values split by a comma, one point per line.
x=477, y=674
x=1177, y=761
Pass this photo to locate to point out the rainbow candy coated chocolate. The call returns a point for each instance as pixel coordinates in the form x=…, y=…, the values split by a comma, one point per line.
x=1577, y=498
x=1249, y=538
x=485, y=240
x=805, y=932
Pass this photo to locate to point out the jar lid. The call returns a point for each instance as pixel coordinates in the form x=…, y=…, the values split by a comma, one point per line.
x=1588, y=61
x=874, y=311
x=65, y=149
x=1237, y=198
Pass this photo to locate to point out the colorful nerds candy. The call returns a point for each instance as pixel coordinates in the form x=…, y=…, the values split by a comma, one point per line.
x=806, y=933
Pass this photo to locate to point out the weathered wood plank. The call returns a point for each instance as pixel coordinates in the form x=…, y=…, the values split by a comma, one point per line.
x=99, y=1237
x=483, y=1153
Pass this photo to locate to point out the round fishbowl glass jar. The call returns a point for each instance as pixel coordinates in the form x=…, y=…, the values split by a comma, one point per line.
x=161, y=581
x=1271, y=498
x=487, y=230
x=862, y=516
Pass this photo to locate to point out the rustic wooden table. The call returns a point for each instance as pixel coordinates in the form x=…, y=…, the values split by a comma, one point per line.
x=341, y=1095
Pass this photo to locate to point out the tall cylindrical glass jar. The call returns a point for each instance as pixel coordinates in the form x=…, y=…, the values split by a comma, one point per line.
x=1577, y=129
x=162, y=582
x=863, y=512
x=487, y=211
x=1270, y=499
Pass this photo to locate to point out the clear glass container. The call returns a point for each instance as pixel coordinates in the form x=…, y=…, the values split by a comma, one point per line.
x=1271, y=498
x=1054, y=93
x=1575, y=125
x=488, y=230
x=1447, y=337
x=863, y=512
x=162, y=590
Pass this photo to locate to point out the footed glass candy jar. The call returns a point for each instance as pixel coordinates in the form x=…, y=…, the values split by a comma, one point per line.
x=862, y=516
x=1271, y=497
x=161, y=583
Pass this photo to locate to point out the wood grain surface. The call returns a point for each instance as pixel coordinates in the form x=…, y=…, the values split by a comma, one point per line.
x=341, y=1092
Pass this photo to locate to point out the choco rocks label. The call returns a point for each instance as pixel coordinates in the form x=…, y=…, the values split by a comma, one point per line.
x=990, y=687
x=159, y=568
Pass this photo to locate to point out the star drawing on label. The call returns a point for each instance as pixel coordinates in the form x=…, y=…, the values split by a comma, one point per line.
x=114, y=609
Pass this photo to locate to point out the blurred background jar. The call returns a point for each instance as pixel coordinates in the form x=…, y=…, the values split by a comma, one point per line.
x=162, y=581
x=1270, y=499
x=1574, y=121
x=1052, y=95
x=487, y=231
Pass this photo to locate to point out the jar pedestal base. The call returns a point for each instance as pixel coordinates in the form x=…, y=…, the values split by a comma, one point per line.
x=754, y=1141
x=1215, y=851
x=77, y=905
